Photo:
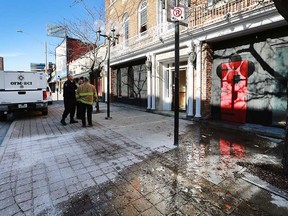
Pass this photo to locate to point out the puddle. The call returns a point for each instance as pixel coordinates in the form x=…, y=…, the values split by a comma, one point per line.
x=185, y=180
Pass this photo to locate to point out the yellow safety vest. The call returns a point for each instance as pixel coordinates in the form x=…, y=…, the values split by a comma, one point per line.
x=86, y=93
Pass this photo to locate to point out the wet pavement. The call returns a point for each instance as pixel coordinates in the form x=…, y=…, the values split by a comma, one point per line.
x=129, y=166
x=4, y=126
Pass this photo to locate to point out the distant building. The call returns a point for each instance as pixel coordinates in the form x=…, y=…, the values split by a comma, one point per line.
x=37, y=67
x=74, y=49
x=1, y=63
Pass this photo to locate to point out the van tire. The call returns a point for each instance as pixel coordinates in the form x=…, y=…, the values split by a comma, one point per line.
x=45, y=112
x=3, y=117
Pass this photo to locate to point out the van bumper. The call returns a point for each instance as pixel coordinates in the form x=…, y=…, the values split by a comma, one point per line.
x=23, y=106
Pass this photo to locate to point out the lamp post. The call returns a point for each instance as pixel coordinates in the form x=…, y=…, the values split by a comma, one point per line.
x=112, y=38
x=45, y=47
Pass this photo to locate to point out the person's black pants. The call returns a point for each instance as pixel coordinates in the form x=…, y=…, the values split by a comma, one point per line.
x=78, y=110
x=89, y=109
x=69, y=108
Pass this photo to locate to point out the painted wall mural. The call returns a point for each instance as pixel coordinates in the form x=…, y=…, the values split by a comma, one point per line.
x=249, y=81
x=234, y=80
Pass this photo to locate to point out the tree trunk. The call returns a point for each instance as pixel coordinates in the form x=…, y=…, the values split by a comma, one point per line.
x=97, y=102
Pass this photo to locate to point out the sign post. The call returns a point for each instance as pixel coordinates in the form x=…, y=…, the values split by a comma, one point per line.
x=176, y=13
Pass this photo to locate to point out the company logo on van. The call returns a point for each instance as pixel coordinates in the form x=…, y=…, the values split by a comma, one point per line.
x=21, y=83
x=21, y=77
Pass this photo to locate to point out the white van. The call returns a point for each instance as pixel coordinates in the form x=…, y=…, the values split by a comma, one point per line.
x=21, y=91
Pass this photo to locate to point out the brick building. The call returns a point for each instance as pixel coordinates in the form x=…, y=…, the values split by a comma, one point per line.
x=1, y=63
x=233, y=58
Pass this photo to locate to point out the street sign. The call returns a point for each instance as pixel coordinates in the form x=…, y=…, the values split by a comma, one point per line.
x=55, y=31
x=177, y=13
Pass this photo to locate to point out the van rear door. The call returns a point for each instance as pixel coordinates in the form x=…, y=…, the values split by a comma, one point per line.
x=16, y=80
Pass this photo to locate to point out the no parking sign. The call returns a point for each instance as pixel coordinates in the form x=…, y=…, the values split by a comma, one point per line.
x=177, y=13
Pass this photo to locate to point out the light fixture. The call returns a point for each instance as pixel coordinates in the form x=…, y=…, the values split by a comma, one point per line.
x=112, y=38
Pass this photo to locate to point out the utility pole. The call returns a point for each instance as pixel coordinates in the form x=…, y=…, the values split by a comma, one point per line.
x=45, y=48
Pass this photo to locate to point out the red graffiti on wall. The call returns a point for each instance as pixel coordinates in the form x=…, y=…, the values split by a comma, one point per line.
x=234, y=88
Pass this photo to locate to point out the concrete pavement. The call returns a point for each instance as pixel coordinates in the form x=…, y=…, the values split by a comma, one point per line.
x=124, y=166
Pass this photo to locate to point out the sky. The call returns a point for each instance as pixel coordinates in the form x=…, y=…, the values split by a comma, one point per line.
x=31, y=17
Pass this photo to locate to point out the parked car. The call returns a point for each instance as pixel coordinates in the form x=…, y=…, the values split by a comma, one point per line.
x=49, y=94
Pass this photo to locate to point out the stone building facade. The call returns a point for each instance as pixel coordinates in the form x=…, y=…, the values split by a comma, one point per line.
x=233, y=56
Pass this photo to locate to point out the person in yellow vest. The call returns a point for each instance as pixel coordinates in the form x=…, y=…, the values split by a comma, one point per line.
x=78, y=105
x=86, y=95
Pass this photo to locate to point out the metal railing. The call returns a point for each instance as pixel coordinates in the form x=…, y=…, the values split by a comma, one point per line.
x=204, y=14
x=198, y=16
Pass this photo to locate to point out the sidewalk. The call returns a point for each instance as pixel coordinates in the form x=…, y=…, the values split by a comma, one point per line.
x=124, y=166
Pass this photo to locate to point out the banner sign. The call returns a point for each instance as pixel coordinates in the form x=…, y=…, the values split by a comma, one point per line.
x=55, y=31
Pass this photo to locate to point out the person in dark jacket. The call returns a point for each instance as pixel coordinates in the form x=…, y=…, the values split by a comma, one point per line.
x=69, y=94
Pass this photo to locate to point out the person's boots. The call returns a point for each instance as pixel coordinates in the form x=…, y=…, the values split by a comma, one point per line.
x=63, y=121
x=73, y=121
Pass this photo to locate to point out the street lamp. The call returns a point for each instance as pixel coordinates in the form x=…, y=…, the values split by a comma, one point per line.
x=45, y=47
x=112, y=38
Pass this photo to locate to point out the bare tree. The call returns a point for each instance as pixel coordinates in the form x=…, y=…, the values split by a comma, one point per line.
x=85, y=30
x=86, y=49
x=135, y=81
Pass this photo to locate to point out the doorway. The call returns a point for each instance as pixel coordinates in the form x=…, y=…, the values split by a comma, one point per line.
x=182, y=90
x=169, y=88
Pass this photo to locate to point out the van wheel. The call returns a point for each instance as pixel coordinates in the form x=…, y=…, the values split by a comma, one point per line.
x=3, y=117
x=45, y=112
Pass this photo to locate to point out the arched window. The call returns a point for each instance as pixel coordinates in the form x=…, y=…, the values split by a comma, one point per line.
x=126, y=26
x=143, y=16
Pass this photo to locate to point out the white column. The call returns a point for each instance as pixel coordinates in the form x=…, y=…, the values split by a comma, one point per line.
x=190, y=82
x=148, y=65
x=198, y=78
x=153, y=96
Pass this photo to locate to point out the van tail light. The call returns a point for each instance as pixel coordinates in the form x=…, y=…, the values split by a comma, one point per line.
x=45, y=95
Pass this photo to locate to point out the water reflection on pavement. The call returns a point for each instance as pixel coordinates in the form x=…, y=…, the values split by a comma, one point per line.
x=127, y=166
x=197, y=178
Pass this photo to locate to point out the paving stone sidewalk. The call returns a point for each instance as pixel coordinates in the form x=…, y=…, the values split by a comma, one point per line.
x=124, y=166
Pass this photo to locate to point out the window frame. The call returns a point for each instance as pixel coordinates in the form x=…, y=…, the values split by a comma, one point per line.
x=142, y=10
x=126, y=26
